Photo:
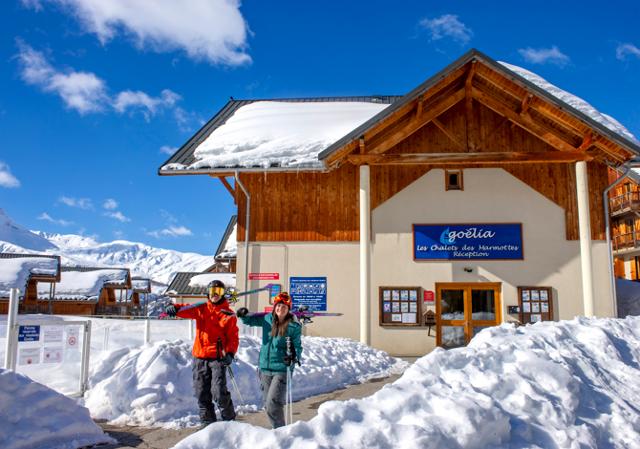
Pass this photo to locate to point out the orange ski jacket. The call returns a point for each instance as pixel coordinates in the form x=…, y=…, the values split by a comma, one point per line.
x=213, y=322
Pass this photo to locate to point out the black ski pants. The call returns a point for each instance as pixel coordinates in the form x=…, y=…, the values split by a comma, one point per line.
x=210, y=384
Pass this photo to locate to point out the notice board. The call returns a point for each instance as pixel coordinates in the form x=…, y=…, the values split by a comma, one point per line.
x=309, y=291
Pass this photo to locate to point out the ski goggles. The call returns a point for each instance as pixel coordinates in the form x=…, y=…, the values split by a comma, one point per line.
x=216, y=291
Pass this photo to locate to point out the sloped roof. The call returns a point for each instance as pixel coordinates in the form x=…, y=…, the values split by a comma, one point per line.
x=182, y=284
x=327, y=116
x=228, y=246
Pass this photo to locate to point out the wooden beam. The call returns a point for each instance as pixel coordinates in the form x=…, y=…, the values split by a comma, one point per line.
x=225, y=183
x=470, y=133
x=526, y=102
x=361, y=145
x=359, y=159
x=524, y=121
x=482, y=158
x=389, y=140
x=446, y=132
x=587, y=141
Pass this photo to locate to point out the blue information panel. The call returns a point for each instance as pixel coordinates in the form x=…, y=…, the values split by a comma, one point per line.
x=491, y=241
x=311, y=292
x=29, y=333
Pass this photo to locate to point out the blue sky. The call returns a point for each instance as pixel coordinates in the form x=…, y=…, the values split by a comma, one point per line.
x=95, y=93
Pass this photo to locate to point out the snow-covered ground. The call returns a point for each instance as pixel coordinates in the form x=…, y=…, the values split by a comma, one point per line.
x=570, y=384
x=33, y=416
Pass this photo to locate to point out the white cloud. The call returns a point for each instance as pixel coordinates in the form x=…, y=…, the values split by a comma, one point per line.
x=36, y=5
x=118, y=235
x=210, y=30
x=117, y=215
x=110, y=204
x=82, y=91
x=85, y=92
x=447, y=25
x=166, y=149
x=80, y=203
x=551, y=55
x=625, y=50
x=171, y=231
x=141, y=101
x=46, y=217
x=6, y=177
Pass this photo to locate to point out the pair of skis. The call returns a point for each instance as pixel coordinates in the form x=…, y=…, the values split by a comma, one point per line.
x=302, y=313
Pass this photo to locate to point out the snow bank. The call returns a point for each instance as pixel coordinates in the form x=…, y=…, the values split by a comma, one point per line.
x=278, y=133
x=152, y=386
x=628, y=297
x=576, y=102
x=572, y=384
x=33, y=416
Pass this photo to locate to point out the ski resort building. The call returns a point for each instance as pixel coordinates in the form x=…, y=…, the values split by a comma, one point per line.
x=624, y=207
x=227, y=251
x=140, y=289
x=28, y=273
x=478, y=196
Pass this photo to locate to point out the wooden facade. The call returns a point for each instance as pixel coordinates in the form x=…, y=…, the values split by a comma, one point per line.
x=624, y=210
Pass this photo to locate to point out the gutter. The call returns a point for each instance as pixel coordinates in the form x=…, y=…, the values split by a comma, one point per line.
x=605, y=198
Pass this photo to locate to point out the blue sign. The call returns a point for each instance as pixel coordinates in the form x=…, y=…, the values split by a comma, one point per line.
x=311, y=292
x=489, y=241
x=29, y=333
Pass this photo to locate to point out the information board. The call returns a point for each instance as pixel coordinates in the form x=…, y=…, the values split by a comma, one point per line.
x=29, y=333
x=309, y=291
x=489, y=241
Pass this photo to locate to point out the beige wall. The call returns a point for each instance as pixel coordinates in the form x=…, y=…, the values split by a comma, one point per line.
x=490, y=195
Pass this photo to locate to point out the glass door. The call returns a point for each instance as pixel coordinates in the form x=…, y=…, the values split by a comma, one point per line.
x=464, y=309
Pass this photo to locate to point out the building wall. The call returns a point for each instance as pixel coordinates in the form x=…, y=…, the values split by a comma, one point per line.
x=490, y=195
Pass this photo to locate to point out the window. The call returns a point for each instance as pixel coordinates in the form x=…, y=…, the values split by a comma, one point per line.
x=453, y=180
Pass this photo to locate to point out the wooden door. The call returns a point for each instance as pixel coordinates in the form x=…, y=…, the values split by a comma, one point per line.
x=464, y=309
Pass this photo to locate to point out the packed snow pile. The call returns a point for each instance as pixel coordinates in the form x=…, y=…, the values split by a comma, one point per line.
x=571, y=384
x=575, y=102
x=33, y=416
x=628, y=297
x=280, y=133
x=152, y=385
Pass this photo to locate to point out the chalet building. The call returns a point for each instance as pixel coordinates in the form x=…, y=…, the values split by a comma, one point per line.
x=138, y=295
x=477, y=196
x=91, y=291
x=226, y=253
x=624, y=209
x=190, y=287
x=28, y=273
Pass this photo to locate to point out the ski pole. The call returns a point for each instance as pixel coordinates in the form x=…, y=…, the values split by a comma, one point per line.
x=235, y=385
x=289, y=411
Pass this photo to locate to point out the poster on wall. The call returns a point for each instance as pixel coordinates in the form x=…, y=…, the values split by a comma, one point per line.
x=485, y=241
x=309, y=291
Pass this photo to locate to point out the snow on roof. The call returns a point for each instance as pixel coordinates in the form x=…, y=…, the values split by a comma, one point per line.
x=86, y=284
x=141, y=285
x=230, y=249
x=35, y=416
x=278, y=133
x=202, y=280
x=575, y=102
x=15, y=272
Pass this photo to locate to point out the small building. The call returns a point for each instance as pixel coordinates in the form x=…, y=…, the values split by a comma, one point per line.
x=227, y=251
x=138, y=295
x=91, y=291
x=28, y=273
x=477, y=196
x=624, y=209
x=190, y=287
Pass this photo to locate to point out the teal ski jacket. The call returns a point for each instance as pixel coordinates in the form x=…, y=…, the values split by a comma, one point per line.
x=274, y=349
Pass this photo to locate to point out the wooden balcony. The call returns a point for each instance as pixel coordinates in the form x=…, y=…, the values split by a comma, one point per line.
x=626, y=241
x=627, y=202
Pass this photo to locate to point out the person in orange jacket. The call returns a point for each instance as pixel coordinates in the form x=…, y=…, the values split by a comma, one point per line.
x=215, y=345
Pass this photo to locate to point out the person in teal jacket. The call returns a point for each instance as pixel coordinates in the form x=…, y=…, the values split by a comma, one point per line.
x=274, y=357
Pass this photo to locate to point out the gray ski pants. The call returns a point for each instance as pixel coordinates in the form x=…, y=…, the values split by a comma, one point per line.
x=210, y=384
x=274, y=392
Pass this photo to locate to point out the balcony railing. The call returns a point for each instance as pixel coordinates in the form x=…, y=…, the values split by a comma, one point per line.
x=628, y=240
x=626, y=201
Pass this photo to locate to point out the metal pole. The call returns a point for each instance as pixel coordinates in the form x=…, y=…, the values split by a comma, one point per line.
x=147, y=331
x=365, y=252
x=247, y=224
x=86, y=354
x=11, y=345
x=584, y=225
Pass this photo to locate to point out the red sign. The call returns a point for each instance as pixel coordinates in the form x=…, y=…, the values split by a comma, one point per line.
x=264, y=276
x=429, y=296
x=268, y=309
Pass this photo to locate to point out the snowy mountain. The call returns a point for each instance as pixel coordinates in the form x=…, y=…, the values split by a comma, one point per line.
x=156, y=263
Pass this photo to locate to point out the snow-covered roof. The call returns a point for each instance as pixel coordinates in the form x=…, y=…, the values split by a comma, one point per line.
x=228, y=247
x=141, y=285
x=195, y=284
x=79, y=284
x=16, y=270
x=283, y=133
x=202, y=280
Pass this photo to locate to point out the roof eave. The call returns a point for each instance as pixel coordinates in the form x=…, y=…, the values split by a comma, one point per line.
x=230, y=171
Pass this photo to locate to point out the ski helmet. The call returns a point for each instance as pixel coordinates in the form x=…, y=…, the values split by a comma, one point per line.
x=216, y=287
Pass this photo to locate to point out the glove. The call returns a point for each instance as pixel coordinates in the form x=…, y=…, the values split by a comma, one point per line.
x=227, y=359
x=242, y=311
x=171, y=310
x=289, y=359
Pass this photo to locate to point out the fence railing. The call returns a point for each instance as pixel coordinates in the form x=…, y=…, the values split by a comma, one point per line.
x=628, y=200
x=627, y=240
